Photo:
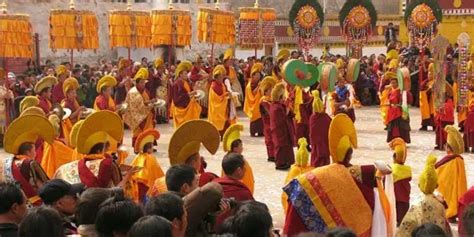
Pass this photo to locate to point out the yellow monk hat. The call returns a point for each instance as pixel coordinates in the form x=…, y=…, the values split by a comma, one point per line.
x=342, y=137
x=267, y=83
x=147, y=136
x=106, y=81
x=392, y=54
x=318, y=106
x=158, y=62
x=428, y=181
x=141, y=74
x=399, y=147
x=393, y=64
x=61, y=70
x=74, y=132
x=219, y=70
x=229, y=53
x=283, y=54
x=257, y=67
x=186, y=140
x=278, y=91
x=183, y=66
x=55, y=121
x=97, y=128
x=27, y=128
x=390, y=75
x=33, y=111
x=45, y=82
x=231, y=134
x=454, y=140
x=27, y=102
x=70, y=84
x=302, y=155
x=339, y=63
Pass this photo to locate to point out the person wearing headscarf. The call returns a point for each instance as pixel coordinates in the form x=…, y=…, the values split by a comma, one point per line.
x=184, y=106
x=57, y=93
x=252, y=100
x=266, y=87
x=318, y=132
x=397, y=125
x=105, y=89
x=401, y=177
x=43, y=92
x=219, y=113
x=452, y=172
x=430, y=209
x=427, y=100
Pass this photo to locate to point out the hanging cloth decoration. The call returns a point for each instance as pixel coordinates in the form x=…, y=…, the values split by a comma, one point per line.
x=464, y=42
x=306, y=18
x=357, y=18
x=216, y=26
x=15, y=36
x=73, y=29
x=422, y=18
x=171, y=27
x=130, y=29
x=256, y=26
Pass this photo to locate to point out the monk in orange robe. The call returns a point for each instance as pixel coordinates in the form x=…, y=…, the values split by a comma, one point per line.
x=219, y=97
x=252, y=101
x=318, y=131
x=105, y=101
x=427, y=100
x=70, y=86
x=452, y=172
x=266, y=87
x=184, y=106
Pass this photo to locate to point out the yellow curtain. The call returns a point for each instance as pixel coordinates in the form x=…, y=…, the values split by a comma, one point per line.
x=130, y=29
x=220, y=30
x=162, y=30
x=71, y=29
x=15, y=36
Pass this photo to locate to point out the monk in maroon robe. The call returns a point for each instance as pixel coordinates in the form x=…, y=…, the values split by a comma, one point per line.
x=265, y=112
x=443, y=118
x=397, y=126
x=318, y=131
x=466, y=200
x=302, y=127
x=469, y=130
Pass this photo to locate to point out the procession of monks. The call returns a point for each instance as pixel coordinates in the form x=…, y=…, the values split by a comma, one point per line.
x=56, y=137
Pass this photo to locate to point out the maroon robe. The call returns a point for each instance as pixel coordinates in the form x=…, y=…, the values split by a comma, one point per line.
x=121, y=90
x=153, y=83
x=103, y=103
x=465, y=200
x=469, y=130
x=319, y=139
x=397, y=126
x=57, y=93
x=267, y=132
x=281, y=125
x=44, y=104
x=402, y=198
x=104, y=177
x=443, y=118
x=179, y=95
x=302, y=128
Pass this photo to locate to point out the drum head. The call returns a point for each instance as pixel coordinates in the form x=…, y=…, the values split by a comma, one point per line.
x=353, y=70
x=328, y=75
x=295, y=72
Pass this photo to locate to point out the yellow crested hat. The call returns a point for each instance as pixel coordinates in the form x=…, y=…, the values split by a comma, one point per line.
x=183, y=66
x=158, y=62
x=283, y=54
x=219, y=70
x=428, y=181
x=61, y=70
x=267, y=83
x=141, y=74
x=106, y=81
x=390, y=75
x=70, y=84
x=278, y=91
x=74, y=132
x=342, y=137
x=147, y=136
x=27, y=102
x=393, y=64
x=33, y=111
x=339, y=63
x=399, y=147
x=318, y=106
x=45, y=82
x=186, y=140
x=55, y=121
x=230, y=135
x=392, y=54
x=302, y=155
x=454, y=140
x=229, y=53
x=257, y=67
x=27, y=128
x=97, y=128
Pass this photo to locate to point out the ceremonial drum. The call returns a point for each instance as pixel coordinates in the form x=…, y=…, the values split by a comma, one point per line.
x=162, y=94
x=298, y=73
x=404, y=80
x=353, y=69
x=203, y=85
x=328, y=75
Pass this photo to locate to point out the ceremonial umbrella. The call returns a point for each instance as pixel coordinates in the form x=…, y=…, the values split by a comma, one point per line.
x=129, y=29
x=256, y=26
x=73, y=30
x=215, y=26
x=171, y=27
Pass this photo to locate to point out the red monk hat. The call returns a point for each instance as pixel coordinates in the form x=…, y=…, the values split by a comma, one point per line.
x=147, y=136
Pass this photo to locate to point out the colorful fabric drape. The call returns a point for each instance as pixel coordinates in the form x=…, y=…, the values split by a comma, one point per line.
x=71, y=29
x=130, y=29
x=15, y=36
x=216, y=26
x=257, y=27
x=171, y=27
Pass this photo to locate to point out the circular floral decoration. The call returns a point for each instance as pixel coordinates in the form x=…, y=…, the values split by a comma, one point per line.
x=307, y=17
x=358, y=17
x=422, y=16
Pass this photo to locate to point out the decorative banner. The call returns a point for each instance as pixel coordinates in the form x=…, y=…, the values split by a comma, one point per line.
x=216, y=26
x=130, y=29
x=171, y=27
x=15, y=36
x=306, y=19
x=464, y=42
x=256, y=27
x=72, y=29
x=438, y=50
x=422, y=18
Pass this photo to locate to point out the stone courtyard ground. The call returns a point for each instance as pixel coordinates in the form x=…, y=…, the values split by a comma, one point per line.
x=372, y=147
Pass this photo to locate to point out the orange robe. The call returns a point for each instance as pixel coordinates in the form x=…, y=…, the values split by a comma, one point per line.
x=252, y=108
x=183, y=108
x=145, y=178
x=452, y=182
x=66, y=125
x=54, y=156
x=218, y=113
x=102, y=103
